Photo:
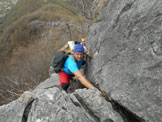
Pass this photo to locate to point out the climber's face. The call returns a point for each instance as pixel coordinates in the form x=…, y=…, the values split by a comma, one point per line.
x=78, y=56
x=83, y=41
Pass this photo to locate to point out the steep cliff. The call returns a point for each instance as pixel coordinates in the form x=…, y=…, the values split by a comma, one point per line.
x=127, y=55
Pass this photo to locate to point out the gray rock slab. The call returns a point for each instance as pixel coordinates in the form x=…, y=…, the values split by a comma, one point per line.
x=13, y=112
x=51, y=104
x=52, y=81
x=97, y=105
x=54, y=105
x=127, y=55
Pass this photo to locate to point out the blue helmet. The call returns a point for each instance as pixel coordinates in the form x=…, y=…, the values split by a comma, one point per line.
x=79, y=48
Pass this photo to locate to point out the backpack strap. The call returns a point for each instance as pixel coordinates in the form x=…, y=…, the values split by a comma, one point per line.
x=72, y=56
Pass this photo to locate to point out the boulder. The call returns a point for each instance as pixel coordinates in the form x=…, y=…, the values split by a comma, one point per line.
x=14, y=111
x=49, y=103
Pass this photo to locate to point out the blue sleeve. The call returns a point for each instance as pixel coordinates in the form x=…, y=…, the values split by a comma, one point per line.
x=72, y=66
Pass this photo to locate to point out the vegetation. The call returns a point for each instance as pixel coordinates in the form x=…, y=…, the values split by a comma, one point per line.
x=20, y=9
x=32, y=31
x=30, y=35
x=64, y=4
x=5, y=6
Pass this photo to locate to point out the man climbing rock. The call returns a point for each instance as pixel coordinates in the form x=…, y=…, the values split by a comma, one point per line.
x=71, y=68
x=68, y=48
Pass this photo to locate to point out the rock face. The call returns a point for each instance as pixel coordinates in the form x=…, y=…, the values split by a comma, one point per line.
x=47, y=103
x=13, y=111
x=126, y=46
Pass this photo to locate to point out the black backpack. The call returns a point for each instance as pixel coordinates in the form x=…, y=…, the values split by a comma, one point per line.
x=58, y=60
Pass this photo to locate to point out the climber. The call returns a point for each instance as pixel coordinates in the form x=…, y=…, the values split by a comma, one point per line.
x=71, y=68
x=69, y=48
x=85, y=48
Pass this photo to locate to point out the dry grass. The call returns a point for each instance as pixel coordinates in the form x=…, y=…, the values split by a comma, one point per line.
x=28, y=45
